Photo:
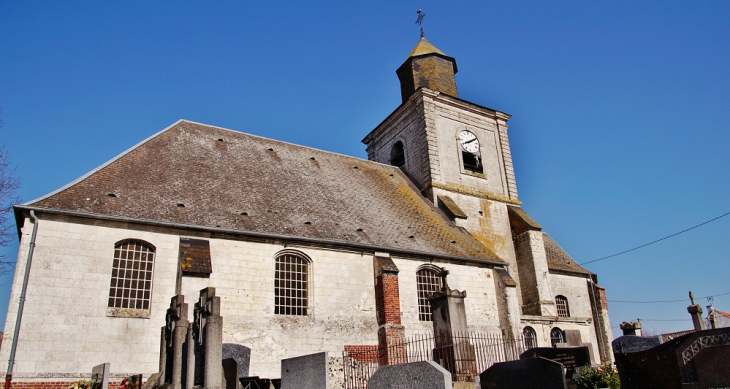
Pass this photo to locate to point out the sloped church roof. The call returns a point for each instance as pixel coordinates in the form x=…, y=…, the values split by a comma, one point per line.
x=199, y=175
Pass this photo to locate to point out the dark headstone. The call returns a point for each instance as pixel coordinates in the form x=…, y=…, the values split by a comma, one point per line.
x=230, y=374
x=135, y=381
x=631, y=344
x=260, y=383
x=531, y=373
x=307, y=371
x=421, y=375
x=695, y=360
x=100, y=376
x=570, y=357
x=241, y=354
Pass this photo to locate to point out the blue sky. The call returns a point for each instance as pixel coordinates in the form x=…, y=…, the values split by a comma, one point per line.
x=620, y=109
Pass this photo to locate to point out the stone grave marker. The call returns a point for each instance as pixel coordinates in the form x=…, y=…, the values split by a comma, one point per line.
x=306, y=371
x=230, y=374
x=153, y=381
x=631, y=343
x=530, y=373
x=421, y=375
x=570, y=357
x=573, y=337
x=100, y=376
x=241, y=354
x=135, y=381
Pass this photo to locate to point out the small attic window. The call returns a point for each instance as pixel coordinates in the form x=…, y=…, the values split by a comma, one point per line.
x=220, y=139
x=111, y=195
x=453, y=241
x=355, y=167
x=181, y=205
x=359, y=230
x=391, y=174
x=308, y=223
x=312, y=158
x=270, y=149
x=397, y=155
x=244, y=213
x=411, y=236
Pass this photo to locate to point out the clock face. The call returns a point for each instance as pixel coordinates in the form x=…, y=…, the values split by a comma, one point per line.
x=469, y=142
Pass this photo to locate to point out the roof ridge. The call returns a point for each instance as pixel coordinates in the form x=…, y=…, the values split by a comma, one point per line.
x=105, y=164
x=294, y=144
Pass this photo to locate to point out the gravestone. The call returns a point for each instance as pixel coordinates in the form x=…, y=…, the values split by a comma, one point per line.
x=153, y=381
x=100, y=376
x=692, y=361
x=452, y=347
x=241, y=354
x=531, y=373
x=421, y=375
x=570, y=357
x=573, y=338
x=208, y=340
x=306, y=371
x=631, y=344
x=135, y=381
x=230, y=374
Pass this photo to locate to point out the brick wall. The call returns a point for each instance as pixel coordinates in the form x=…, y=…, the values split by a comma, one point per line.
x=387, y=299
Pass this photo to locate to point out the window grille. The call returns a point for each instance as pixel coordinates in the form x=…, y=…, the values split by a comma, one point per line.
x=290, y=285
x=427, y=282
x=557, y=336
x=530, y=337
x=562, y=304
x=131, y=283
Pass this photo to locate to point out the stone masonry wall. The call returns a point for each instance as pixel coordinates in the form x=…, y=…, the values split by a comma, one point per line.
x=66, y=331
x=481, y=296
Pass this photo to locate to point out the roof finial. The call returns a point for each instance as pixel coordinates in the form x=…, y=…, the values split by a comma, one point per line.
x=419, y=21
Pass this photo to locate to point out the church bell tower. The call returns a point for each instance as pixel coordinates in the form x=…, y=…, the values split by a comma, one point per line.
x=456, y=151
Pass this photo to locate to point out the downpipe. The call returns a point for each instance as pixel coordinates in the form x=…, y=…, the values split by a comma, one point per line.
x=9, y=376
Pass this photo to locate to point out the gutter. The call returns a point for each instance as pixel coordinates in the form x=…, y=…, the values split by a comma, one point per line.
x=265, y=235
x=16, y=332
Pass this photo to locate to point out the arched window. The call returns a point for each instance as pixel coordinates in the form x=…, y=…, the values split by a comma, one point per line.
x=561, y=302
x=427, y=282
x=291, y=284
x=131, y=284
x=530, y=337
x=397, y=155
x=557, y=336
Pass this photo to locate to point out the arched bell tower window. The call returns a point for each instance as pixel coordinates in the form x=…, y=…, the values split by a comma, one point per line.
x=471, y=155
x=561, y=302
x=397, y=155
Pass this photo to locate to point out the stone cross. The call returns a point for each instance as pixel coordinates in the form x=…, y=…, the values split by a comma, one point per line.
x=208, y=333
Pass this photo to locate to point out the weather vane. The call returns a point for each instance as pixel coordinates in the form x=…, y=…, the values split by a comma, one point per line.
x=419, y=21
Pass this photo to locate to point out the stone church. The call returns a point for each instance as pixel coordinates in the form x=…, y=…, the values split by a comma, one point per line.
x=308, y=250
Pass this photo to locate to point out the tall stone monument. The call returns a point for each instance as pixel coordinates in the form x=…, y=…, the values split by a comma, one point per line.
x=452, y=347
x=191, y=353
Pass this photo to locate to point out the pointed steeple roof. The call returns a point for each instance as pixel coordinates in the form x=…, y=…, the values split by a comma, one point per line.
x=424, y=47
x=427, y=67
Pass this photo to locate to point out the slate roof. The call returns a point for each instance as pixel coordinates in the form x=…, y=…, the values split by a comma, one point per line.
x=557, y=257
x=424, y=47
x=208, y=176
